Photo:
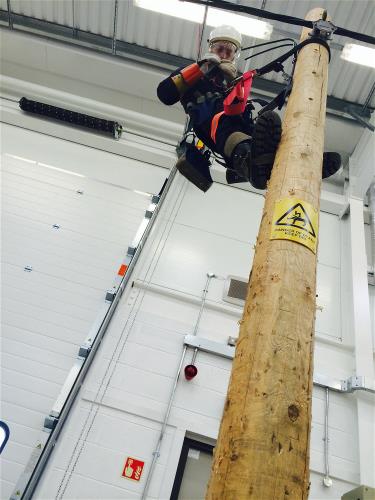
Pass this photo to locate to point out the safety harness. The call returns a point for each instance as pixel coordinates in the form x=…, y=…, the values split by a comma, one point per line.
x=236, y=101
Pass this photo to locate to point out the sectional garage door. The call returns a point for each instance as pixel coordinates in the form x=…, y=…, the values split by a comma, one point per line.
x=69, y=213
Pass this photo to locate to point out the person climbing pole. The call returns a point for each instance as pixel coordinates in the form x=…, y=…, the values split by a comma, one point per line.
x=214, y=96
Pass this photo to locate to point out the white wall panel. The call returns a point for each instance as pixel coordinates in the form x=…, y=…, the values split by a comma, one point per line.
x=190, y=253
x=328, y=314
x=48, y=310
x=371, y=290
x=343, y=365
x=88, y=162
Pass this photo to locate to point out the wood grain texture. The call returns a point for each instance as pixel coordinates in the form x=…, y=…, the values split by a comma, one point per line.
x=262, y=451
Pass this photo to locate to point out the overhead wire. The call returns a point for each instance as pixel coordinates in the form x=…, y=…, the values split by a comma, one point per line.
x=225, y=5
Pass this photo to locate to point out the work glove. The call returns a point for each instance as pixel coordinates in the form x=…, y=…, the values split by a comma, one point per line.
x=209, y=62
x=228, y=69
x=212, y=58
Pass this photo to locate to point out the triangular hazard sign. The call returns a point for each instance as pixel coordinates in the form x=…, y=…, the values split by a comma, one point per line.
x=297, y=217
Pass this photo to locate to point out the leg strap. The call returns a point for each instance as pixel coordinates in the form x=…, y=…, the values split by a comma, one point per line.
x=214, y=125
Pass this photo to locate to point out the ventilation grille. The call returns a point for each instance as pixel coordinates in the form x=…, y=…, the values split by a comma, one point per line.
x=235, y=290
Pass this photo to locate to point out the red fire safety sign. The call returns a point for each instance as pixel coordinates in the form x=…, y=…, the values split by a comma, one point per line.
x=133, y=469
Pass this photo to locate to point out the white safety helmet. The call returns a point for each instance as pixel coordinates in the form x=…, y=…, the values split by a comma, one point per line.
x=226, y=33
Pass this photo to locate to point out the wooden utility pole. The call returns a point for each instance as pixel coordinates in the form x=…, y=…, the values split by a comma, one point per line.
x=262, y=451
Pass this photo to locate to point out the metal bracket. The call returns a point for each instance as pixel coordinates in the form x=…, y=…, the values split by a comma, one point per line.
x=358, y=383
x=354, y=383
x=34, y=458
x=210, y=346
x=131, y=251
x=84, y=351
x=323, y=28
x=50, y=422
x=111, y=294
x=360, y=119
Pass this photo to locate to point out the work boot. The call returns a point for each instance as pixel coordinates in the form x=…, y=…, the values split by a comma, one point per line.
x=266, y=139
x=331, y=164
x=252, y=158
x=241, y=160
x=233, y=178
x=195, y=168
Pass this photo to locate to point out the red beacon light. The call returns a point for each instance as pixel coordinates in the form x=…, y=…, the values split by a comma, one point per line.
x=190, y=371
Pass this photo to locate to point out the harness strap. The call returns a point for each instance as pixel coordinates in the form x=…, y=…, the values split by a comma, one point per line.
x=214, y=125
x=235, y=102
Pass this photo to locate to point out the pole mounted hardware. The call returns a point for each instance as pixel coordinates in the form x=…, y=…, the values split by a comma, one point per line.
x=323, y=28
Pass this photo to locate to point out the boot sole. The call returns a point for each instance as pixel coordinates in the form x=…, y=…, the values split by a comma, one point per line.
x=266, y=139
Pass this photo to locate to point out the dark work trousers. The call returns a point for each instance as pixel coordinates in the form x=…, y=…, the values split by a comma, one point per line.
x=226, y=126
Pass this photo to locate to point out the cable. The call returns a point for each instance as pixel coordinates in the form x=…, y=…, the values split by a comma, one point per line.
x=222, y=4
x=269, y=50
x=269, y=43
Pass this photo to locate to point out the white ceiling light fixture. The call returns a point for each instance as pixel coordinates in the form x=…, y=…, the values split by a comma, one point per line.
x=359, y=54
x=215, y=17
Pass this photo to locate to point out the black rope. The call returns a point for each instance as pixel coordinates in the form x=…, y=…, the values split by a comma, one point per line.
x=222, y=4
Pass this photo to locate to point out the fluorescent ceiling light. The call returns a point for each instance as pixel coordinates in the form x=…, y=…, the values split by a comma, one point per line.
x=215, y=17
x=359, y=54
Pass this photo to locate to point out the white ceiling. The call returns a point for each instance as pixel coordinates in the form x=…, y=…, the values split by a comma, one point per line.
x=171, y=35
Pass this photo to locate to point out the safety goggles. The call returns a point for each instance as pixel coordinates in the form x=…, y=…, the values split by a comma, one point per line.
x=224, y=49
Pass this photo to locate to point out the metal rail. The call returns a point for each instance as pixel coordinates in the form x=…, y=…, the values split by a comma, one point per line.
x=349, y=385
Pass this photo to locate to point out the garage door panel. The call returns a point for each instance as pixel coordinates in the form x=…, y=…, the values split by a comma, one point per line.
x=61, y=289
x=119, y=195
x=29, y=366
x=88, y=245
x=55, y=267
x=53, y=317
x=65, y=205
x=66, y=228
x=31, y=383
x=42, y=356
x=113, y=235
x=59, y=247
x=35, y=298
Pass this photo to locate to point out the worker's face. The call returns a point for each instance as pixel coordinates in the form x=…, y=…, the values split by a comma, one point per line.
x=223, y=49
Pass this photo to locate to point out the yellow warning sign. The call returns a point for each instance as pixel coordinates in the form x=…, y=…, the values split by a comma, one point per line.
x=295, y=220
